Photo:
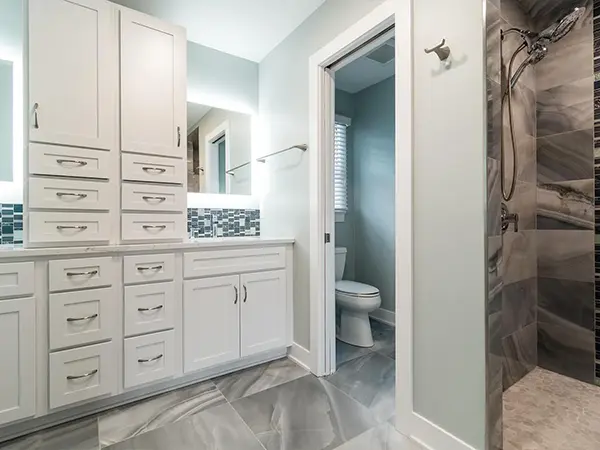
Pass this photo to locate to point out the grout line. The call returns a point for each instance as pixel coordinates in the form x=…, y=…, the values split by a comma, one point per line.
x=246, y=424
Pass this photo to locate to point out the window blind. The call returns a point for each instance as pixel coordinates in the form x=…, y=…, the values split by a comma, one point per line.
x=340, y=168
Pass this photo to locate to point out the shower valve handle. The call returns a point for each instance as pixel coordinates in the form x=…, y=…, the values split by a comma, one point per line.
x=507, y=218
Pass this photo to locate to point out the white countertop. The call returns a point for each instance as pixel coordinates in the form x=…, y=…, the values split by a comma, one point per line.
x=17, y=251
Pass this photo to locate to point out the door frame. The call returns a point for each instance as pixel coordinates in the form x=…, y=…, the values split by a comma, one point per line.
x=211, y=156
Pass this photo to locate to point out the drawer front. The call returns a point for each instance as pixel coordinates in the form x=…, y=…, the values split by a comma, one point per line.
x=223, y=262
x=69, y=274
x=149, y=358
x=153, y=168
x=81, y=317
x=82, y=374
x=16, y=279
x=55, y=193
x=150, y=197
x=69, y=162
x=153, y=227
x=146, y=268
x=149, y=308
x=65, y=227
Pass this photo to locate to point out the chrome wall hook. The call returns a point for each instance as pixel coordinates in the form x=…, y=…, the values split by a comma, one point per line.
x=441, y=50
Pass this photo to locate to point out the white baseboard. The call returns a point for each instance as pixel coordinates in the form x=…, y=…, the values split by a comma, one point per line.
x=300, y=356
x=384, y=316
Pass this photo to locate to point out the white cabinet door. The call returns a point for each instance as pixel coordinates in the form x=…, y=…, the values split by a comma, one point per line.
x=211, y=322
x=153, y=86
x=17, y=353
x=263, y=311
x=73, y=74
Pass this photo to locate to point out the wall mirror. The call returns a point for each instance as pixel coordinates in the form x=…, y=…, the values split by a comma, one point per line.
x=219, y=150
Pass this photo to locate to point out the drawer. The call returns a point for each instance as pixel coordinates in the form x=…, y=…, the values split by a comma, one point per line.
x=63, y=227
x=154, y=169
x=149, y=308
x=81, y=317
x=223, y=262
x=69, y=274
x=56, y=193
x=146, y=268
x=149, y=358
x=69, y=162
x=151, y=197
x=16, y=279
x=82, y=374
x=153, y=227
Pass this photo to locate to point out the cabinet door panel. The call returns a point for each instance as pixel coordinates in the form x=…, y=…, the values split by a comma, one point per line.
x=153, y=85
x=17, y=353
x=263, y=311
x=73, y=72
x=211, y=328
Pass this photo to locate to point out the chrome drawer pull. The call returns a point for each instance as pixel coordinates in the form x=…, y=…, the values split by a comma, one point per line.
x=236, y=295
x=154, y=227
x=85, y=375
x=148, y=197
x=147, y=360
x=156, y=308
x=142, y=269
x=91, y=273
x=245, y=294
x=72, y=161
x=69, y=194
x=81, y=319
x=36, y=122
x=72, y=227
x=154, y=169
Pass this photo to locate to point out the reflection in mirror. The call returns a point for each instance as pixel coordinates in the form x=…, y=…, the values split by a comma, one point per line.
x=219, y=150
x=6, y=120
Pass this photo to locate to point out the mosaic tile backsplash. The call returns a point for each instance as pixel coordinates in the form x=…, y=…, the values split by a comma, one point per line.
x=202, y=223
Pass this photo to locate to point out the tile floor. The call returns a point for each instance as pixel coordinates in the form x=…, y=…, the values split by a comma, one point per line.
x=547, y=411
x=275, y=406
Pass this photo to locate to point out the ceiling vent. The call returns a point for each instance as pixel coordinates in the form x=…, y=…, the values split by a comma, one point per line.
x=383, y=54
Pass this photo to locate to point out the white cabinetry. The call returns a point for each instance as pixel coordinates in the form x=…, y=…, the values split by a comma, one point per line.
x=17, y=354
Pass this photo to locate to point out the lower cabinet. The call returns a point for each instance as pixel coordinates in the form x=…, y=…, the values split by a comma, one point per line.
x=149, y=358
x=17, y=356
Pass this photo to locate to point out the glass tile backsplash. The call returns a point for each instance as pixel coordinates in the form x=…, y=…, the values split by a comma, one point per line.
x=201, y=223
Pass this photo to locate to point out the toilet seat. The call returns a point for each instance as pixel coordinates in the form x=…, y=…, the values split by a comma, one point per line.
x=355, y=289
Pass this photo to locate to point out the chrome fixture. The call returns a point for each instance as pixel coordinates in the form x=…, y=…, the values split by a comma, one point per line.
x=537, y=49
x=507, y=218
x=441, y=50
x=302, y=147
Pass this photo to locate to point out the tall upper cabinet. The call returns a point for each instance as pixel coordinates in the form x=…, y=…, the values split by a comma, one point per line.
x=107, y=102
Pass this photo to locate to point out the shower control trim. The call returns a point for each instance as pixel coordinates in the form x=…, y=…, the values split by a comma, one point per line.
x=507, y=218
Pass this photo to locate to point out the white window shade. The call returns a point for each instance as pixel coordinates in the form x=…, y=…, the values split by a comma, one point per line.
x=340, y=168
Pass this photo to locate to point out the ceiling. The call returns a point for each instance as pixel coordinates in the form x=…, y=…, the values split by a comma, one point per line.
x=195, y=112
x=363, y=72
x=249, y=29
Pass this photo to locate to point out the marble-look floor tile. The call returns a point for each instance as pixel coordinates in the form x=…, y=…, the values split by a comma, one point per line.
x=519, y=305
x=346, y=352
x=518, y=256
x=255, y=379
x=568, y=205
x=369, y=380
x=304, y=414
x=383, y=437
x=566, y=254
x=384, y=338
x=566, y=157
x=520, y=354
x=132, y=420
x=79, y=435
x=218, y=428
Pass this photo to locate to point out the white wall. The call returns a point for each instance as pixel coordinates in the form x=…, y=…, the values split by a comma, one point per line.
x=283, y=89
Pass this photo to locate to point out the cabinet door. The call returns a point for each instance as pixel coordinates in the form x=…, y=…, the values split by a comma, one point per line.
x=73, y=72
x=17, y=353
x=211, y=322
x=153, y=86
x=263, y=311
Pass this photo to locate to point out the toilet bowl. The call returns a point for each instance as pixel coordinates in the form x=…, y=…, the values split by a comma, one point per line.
x=354, y=301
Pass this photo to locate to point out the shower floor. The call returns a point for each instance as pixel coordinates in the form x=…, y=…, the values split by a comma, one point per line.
x=547, y=411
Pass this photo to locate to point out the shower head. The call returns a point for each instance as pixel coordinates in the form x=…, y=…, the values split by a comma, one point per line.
x=561, y=28
x=537, y=53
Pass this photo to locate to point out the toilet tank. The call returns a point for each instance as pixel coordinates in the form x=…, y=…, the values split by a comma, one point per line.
x=340, y=262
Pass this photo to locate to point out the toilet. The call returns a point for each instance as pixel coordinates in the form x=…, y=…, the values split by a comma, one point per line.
x=354, y=301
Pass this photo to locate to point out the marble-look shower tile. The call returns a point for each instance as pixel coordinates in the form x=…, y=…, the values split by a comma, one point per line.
x=494, y=125
x=217, y=428
x=512, y=11
x=255, y=379
x=524, y=109
x=564, y=65
x=519, y=305
x=564, y=302
x=566, y=157
x=369, y=380
x=566, y=108
x=566, y=348
x=494, y=24
x=382, y=437
x=384, y=339
x=345, y=352
x=566, y=254
x=132, y=420
x=568, y=205
x=545, y=12
x=524, y=204
x=518, y=255
x=78, y=435
x=519, y=354
x=494, y=197
x=525, y=146
x=280, y=416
